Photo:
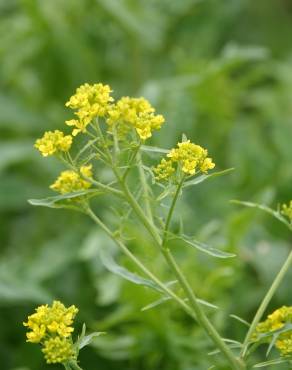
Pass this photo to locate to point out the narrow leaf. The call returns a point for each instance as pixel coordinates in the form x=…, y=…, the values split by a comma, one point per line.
x=204, y=247
x=87, y=339
x=200, y=179
x=240, y=320
x=110, y=264
x=154, y=149
x=55, y=202
x=264, y=208
x=273, y=362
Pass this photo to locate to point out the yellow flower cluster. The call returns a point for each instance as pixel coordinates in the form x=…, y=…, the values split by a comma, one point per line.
x=189, y=156
x=58, y=350
x=136, y=113
x=51, y=326
x=287, y=210
x=90, y=101
x=275, y=321
x=52, y=142
x=70, y=181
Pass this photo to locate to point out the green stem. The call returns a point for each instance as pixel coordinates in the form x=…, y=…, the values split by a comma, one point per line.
x=199, y=313
x=138, y=263
x=145, y=188
x=171, y=210
x=262, y=308
x=74, y=365
x=104, y=187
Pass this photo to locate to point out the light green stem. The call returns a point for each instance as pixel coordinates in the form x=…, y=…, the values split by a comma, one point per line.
x=235, y=363
x=74, y=366
x=145, y=188
x=261, y=310
x=141, y=266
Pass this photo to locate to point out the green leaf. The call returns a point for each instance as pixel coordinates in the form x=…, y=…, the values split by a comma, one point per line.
x=154, y=149
x=266, y=209
x=204, y=247
x=240, y=320
x=110, y=264
x=199, y=179
x=55, y=202
x=164, y=299
x=273, y=362
x=87, y=339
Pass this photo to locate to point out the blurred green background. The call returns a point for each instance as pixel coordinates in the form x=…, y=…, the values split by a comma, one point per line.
x=220, y=72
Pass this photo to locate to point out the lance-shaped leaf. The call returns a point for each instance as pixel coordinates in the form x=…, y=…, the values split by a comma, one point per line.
x=205, y=248
x=276, y=361
x=154, y=149
x=167, y=298
x=272, y=212
x=58, y=201
x=111, y=265
x=202, y=178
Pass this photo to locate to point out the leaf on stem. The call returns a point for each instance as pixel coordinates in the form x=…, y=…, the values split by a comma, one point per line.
x=203, y=247
x=56, y=201
x=202, y=178
x=276, y=361
x=272, y=212
x=111, y=265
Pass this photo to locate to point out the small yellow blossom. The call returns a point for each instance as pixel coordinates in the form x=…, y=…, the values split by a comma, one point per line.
x=134, y=113
x=189, y=156
x=56, y=319
x=52, y=142
x=51, y=326
x=70, y=181
x=89, y=101
x=275, y=321
x=58, y=350
x=287, y=210
x=164, y=170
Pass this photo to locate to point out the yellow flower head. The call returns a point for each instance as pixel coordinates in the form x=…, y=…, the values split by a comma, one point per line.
x=275, y=321
x=164, y=170
x=58, y=350
x=70, y=181
x=47, y=320
x=287, y=210
x=89, y=101
x=52, y=142
x=134, y=113
x=189, y=156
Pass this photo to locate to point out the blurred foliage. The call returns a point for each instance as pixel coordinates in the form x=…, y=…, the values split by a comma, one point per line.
x=221, y=73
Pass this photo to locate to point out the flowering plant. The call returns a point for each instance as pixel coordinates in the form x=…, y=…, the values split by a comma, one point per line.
x=105, y=155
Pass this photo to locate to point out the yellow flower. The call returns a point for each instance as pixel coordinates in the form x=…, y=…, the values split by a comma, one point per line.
x=275, y=321
x=58, y=350
x=164, y=170
x=56, y=319
x=134, y=113
x=189, y=156
x=287, y=210
x=53, y=141
x=90, y=101
x=70, y=181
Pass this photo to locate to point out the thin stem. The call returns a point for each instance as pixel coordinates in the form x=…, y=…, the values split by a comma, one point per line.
x=141, y=266
x=201, y=317
x=277, y=281
x=104, y=187
x=145, y=188
x=171, y=210
x=74, y=365
x=200, y=314
x=131, y=161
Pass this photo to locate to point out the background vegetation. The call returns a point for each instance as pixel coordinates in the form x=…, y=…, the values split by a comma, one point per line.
x=220, y=71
